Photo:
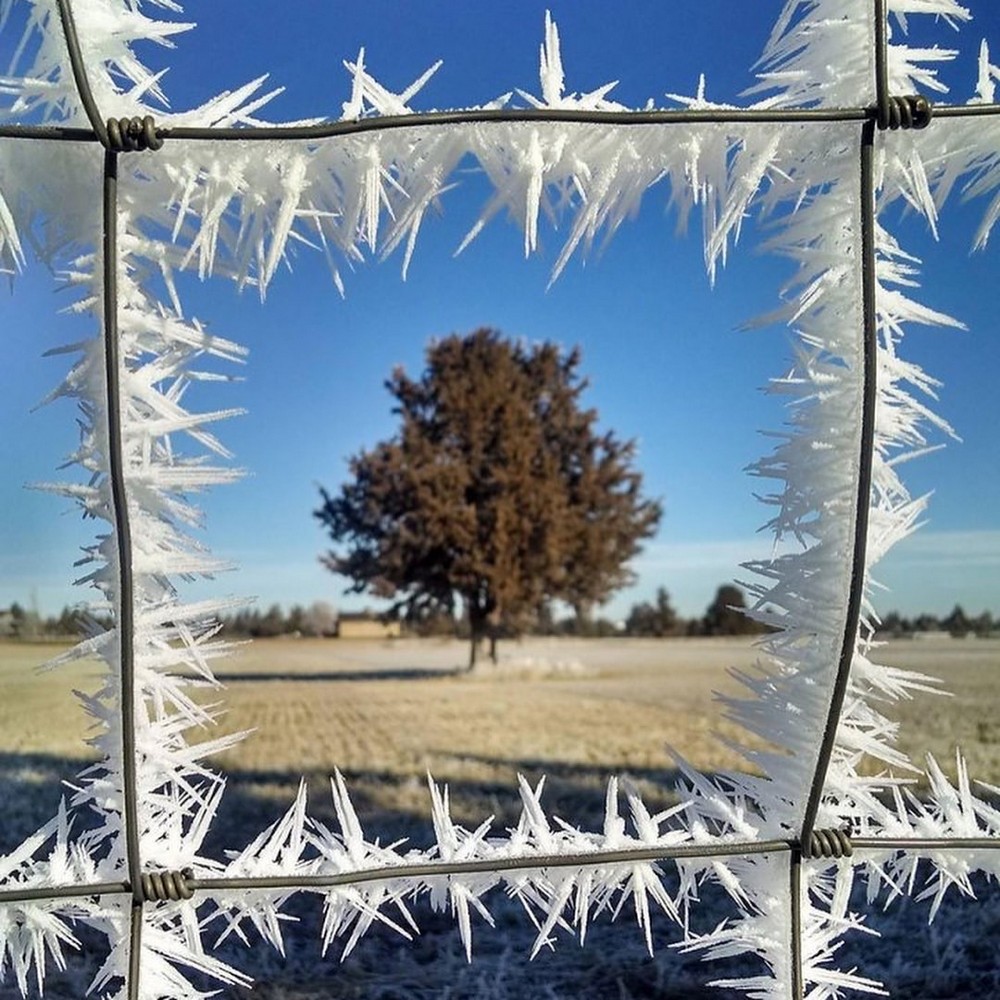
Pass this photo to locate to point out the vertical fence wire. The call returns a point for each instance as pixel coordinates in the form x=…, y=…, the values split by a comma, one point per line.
x=863, y=488
x=125, y=607
x=78, y=68
x=862, y=496
x=795, y=923
x=134, y=950
x=120, y=514
x=883, y=98
x=110, y=135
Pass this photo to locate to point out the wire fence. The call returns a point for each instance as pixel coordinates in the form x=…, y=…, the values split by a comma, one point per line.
x=121, y=136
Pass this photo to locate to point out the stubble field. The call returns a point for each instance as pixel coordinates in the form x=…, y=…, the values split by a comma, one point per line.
x=387, y=713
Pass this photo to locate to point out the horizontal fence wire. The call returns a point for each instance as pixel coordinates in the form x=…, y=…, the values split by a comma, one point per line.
x=531, y=862
x=118, y=136
x=333, y=129
x=486, y=116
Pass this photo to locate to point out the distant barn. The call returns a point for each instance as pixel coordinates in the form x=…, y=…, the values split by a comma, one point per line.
x=364, y=625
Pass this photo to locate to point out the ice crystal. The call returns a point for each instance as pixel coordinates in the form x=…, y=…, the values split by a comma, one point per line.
x=238, y=210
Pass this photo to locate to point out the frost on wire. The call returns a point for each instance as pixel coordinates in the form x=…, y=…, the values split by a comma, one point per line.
x=235, y=210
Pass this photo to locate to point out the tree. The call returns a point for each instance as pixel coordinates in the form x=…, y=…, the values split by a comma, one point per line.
x=270, y=625
x=926, y=623
x=320, y=619
x=895, y=625
x=295, y=619
x=657, y=619
x=726, y=614
x=957, y=624
x=497, y=491
x=983, y=625
x=17, y=620
x=70, y=621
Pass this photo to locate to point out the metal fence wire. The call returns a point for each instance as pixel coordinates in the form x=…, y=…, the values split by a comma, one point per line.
x=121, y=136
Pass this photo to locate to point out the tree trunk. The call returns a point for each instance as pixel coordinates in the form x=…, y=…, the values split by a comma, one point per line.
x=483, y=621
x=494, y=619
x=475, y=618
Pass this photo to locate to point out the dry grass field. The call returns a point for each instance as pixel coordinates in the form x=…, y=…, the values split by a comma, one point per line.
x=387, y=713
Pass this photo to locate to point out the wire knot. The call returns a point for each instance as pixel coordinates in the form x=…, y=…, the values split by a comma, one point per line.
x=912, y=111
x=129, y=135
x=831, y=843
x=158, y=887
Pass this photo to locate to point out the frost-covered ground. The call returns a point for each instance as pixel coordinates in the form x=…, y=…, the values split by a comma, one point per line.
x=386, y=712
x=953, y=958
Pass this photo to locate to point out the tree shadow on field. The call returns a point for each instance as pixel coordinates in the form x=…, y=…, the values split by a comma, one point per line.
x=395, y=806
x=391, y=805
x=31, y=786
x=384, y=966
x=371, y=674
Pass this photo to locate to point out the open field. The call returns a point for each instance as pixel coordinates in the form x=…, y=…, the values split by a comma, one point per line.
x=385, y=713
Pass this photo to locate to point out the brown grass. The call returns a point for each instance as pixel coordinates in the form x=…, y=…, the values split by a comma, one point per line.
x=39, y=713
x=386, y=713
x=967, y=713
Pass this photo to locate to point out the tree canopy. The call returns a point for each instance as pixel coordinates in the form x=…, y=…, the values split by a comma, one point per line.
x=726, y=615
x=498, y=491
x=656, y=620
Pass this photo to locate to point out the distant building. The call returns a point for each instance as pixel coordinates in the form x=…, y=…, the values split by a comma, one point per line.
x=8, y=625
x=365, y=625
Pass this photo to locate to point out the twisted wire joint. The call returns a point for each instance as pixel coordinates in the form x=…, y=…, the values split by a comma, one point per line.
x=912, y=111
x=831, y=843
x=158, y=887
x=129, y=135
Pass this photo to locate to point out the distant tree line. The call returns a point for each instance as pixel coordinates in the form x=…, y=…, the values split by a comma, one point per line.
x=724, y=616
x=17, y=622
x=957, y=624
x=657, y=619
x=319, y=620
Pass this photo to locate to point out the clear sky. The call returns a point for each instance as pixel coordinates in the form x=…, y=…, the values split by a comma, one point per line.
x=668, y=362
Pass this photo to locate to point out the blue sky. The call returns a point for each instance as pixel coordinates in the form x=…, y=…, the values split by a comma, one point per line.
x=667, y=359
